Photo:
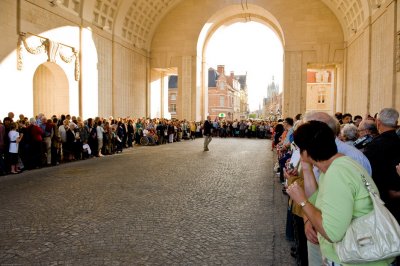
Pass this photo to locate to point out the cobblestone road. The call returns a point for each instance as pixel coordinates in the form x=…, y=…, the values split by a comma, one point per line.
x=161, y=205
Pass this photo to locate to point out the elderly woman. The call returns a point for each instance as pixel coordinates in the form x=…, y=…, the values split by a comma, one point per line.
x=340, y=195
x=348, y=133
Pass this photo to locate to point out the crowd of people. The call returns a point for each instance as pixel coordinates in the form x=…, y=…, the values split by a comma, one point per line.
x=321, y=159
x=41, y=141
x=323, y=164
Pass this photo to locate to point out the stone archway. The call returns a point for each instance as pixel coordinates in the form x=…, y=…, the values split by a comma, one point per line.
x=50, y=90
x=317, y=40
x=225, y=17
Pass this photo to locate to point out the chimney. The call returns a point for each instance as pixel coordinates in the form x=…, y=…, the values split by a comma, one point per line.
x=221, y=69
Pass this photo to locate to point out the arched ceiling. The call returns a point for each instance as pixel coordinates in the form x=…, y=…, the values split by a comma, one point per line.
x=352, y=14
x=136, y=20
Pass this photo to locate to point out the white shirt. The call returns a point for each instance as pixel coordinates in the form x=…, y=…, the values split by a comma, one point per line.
x=354, y=153
x=13, y=136
x=99, y=131
x=63, y=133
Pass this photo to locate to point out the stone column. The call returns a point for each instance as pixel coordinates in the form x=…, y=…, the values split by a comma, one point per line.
x=187, y=89
x=204, y=91
x=162, y=92
x=396, y=97
x=292, y=94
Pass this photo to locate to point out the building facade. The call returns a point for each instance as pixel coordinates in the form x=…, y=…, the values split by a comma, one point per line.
x=172, y=95
x=223, y=94
x=244, y=97
x=320, y=90
x=272, y=104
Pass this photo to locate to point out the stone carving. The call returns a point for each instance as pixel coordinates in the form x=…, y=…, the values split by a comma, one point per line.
x=325, y=77
x=19, y=55
x=398, y=52
x=77, y=65
x=318, y=77
x=52, y=49
x=66, y=59
x=38, y=50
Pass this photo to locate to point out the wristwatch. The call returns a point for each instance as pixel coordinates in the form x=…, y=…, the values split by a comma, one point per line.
x=303, y=203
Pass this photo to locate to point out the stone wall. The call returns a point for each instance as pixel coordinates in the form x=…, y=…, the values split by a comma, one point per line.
x=370, y=71
x=357, y=77
x=382, y=60
x=113, y=74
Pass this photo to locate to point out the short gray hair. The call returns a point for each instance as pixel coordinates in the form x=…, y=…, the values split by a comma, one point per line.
x=388, y=117
x=349, y=131
x=368, y=125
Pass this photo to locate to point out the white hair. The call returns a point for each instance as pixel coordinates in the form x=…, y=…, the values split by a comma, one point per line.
x=349, y=131
x=388, y=117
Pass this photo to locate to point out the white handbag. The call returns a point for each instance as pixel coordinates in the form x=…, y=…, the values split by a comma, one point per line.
x=372, y=237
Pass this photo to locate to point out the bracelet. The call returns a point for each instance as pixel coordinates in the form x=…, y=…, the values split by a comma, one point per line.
x=303, y=203
x=306, y=221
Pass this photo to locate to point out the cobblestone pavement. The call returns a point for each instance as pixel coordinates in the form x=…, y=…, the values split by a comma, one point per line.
x=162, y=205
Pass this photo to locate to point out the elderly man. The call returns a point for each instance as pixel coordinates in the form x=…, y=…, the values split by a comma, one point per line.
x=367, y=131
x=384, y=154
x=11, y=116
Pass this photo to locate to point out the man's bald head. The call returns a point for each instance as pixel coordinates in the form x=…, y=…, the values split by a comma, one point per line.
x=325, y=118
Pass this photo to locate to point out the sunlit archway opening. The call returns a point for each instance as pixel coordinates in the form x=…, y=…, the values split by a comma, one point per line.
x=254, y=50
x=50, y=90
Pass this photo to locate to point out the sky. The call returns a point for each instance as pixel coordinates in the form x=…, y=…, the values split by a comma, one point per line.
x=248, y=47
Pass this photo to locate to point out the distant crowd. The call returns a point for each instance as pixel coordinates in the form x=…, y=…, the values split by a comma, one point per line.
x=47, y=141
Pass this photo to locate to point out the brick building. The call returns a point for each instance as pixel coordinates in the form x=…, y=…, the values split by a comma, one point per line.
x=172, y=95
x=223, y=94
x=320, y=90
x=227, y=95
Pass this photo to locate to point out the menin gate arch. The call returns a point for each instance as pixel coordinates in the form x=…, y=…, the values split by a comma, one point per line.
x=225, y=17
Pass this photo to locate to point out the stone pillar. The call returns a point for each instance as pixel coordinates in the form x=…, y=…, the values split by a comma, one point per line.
x=187, y=89
x=204, y=91
x=162, y=91
x=338, y=93
x=292, y=94
x=396, y=95
x=148, y=88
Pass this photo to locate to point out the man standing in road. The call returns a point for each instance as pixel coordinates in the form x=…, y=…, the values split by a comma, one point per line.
x=207, y=133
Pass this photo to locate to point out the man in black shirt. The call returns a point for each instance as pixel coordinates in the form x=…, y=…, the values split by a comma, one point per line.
x=207, y=133
x=383, y=152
